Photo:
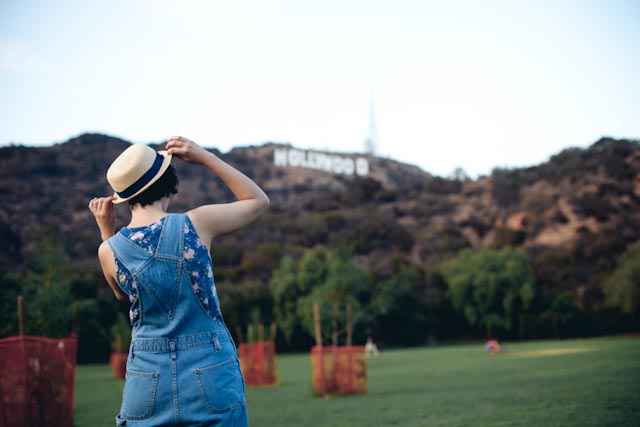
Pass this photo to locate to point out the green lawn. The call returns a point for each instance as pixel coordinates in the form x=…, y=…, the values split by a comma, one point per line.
x=590, y=382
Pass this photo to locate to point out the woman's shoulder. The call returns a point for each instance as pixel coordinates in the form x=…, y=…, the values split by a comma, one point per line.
x=104, y=250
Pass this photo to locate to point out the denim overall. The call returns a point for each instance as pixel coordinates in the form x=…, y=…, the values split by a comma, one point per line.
x=182, y=367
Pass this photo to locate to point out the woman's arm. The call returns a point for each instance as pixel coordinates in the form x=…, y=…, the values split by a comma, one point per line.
x=218, y=219
x=108, y=264
x=102, y=209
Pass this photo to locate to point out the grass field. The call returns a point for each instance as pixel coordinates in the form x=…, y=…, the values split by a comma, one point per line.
x=590, y=382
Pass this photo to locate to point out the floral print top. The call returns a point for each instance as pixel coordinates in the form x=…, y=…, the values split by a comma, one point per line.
x=197, y=264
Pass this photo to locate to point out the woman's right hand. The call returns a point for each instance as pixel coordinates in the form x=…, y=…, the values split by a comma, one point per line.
x=102, y=210
x=187, y=150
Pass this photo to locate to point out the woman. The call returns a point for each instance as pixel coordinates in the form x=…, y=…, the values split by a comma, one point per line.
x=182, y=367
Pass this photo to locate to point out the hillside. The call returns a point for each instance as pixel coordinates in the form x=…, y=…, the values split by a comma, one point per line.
x=396, y=207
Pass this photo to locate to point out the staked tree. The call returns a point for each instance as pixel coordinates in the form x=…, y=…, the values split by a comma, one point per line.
x=345, y=283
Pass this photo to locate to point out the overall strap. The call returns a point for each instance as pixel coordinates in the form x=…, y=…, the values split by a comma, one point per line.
x=128, y=253
x=171, y=244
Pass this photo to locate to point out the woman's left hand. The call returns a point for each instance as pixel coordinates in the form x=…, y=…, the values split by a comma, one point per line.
x=102, y=209
x=187, y=150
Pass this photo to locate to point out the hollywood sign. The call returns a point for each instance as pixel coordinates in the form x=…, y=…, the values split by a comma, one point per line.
x=339, y=165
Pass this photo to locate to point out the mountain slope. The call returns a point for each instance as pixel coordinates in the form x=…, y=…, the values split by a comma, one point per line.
x=580, y=200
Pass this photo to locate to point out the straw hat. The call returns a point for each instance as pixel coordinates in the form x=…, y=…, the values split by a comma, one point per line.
x=135, y=169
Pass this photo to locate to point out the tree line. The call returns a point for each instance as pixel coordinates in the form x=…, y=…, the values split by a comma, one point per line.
x=477, y=294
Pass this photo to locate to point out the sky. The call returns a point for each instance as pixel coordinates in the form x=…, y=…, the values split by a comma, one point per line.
x=462, y=83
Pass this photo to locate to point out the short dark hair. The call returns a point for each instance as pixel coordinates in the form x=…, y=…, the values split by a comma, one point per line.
x=165, y=186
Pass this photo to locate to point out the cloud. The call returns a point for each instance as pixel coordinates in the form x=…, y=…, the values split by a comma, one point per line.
x=16, y=56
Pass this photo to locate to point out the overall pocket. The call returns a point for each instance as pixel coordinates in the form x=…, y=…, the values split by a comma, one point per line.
x=139, y=395
x=220, y=386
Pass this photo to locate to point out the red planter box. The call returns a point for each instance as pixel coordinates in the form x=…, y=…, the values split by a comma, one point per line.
x=118, y=363
x=37, y=381
x=339, y=370
x=258, y=363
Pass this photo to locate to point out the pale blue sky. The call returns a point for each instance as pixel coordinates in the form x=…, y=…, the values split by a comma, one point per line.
x=476, y=84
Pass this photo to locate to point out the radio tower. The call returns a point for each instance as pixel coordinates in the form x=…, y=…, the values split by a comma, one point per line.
x=372, y=141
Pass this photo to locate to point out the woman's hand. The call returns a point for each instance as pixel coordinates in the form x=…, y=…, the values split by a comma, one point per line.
x=102, y=209
x=187, y=150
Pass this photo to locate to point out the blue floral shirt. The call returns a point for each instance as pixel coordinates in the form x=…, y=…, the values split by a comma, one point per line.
x=197, y=264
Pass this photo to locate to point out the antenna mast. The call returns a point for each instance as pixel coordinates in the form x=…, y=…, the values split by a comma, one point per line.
x=372, y=141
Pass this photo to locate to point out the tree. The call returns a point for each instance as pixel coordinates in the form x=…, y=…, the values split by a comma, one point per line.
x=238, y=302
x=285, y=292
x=520, y=289
x=10, y=285
x=561, y=311
x=399, y=304
x=622, y=287
x=312, y=271
x=345, y=284
x=10, y=256
x=490, y=287
x=51, y=288
x=48, y=299
x=459, y=174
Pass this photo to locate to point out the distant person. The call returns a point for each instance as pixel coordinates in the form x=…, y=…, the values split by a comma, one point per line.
x=182, y=367
x=493, y=347
x=370, y=348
